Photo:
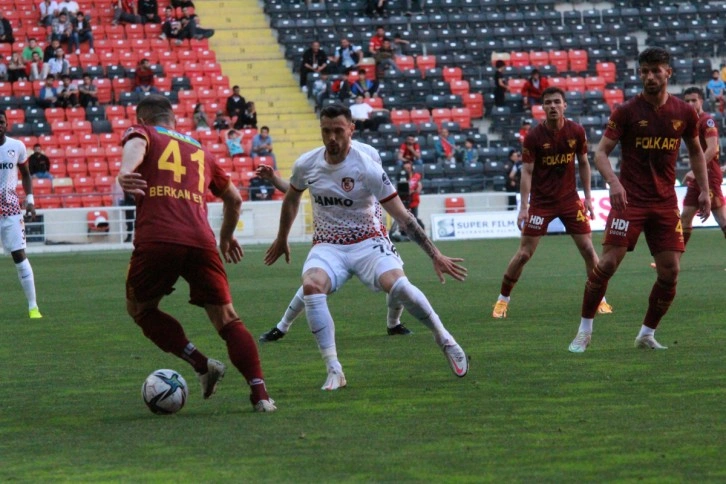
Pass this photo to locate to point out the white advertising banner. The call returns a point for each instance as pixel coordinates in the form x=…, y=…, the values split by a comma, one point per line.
x=489, y=225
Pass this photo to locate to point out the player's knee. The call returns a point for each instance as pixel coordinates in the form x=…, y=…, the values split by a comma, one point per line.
x=524, y=255
x=401, y=291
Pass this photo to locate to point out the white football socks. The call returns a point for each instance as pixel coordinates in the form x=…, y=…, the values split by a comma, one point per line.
x=296, y=306
x=322, y=326
x=27, y=281
x=585, y=325
x=645, y=330
x=395, y=309
x=416, y=303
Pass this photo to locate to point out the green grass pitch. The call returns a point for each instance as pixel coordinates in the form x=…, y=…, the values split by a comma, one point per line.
x=529, y=411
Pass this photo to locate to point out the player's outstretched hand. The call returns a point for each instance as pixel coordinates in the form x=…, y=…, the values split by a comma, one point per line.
x=704, y=205
x=274, y=252
x=266, y=172
x=448, y=265
x=132, y=183
x=231, y=250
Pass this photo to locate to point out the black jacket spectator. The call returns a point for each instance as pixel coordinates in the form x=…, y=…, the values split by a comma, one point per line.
x=6, y=30
x=314, y=59
x=149, y=11
x=248, y=118
x=236, y=103
x=38, y=163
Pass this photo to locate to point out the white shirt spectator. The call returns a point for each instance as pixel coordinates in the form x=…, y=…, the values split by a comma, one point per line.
x=48, y=8
x=70, y=6
x=360, y=111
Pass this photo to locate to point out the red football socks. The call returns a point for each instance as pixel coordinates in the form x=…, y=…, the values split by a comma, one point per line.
x=595, y=288
x=243, y=354
x=661, y=297
x=507, y=285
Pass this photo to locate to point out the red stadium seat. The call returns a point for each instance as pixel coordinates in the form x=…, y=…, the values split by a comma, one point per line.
x=515, y=85
x=81, y=127
x=113, y=152
x=595, y=83
x=22, y=88
x=539, y=58
x=72, y=201
x=425, y=62
x=613, y=97
x=264, y=160
x=104, y=183
x=419, y=115
x=440, y=115
x=48, y=201
x=83, y=184
x=475, y=102
x=42, y=186
x=538, y=112
x=400, y=116
x=243, y=164
x=75, y=114
x=575, y=84
x=405, y=62
x=96, y=168
x=461, y=116
x=519, y=59
x=15, y=116
x=560, y=60
x=76, y=168
x=606, y=70
x=55, y=114
x=454, y=205
x=104, y=90
x=62, y=185
x=218, y=81
x=459, y=87
x=94, y=154
x=578, y=60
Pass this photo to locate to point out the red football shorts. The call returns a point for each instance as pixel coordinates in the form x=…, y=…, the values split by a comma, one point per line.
x=662, y=227
x=572, y=214
x=155, y=268
x=714, y=191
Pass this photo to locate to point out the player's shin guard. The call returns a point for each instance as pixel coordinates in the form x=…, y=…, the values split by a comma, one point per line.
x=661, y=297
x=507, y=285
x=243, y=354
x=595, y=288
x=166, y=333
x=416, y=303
x=296, y=306
x=322, y=326
x=395, y=309
x=27, y=281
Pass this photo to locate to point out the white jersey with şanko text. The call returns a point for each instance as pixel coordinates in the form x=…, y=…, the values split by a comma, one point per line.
x=12, y=154
x=345, y=195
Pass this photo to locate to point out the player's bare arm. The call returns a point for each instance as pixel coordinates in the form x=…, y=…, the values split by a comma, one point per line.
x=525, y=188
x=288, y=212
x=232, y=204
x=266, y=172
x=583, y=165
x=442, y=264
x=133, y=156
x=618, y=197
x=709, y=153
x=698, y=166
x=28, y=187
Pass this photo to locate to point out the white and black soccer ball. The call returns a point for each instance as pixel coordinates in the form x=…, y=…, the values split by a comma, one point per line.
x=165, y=392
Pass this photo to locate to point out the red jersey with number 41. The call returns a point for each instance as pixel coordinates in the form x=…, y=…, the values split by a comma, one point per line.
x=554, y=154
x=650, y=139
x=178, y=171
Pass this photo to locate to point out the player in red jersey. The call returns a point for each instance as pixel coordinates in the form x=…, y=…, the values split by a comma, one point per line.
x=708, y=136
x=649, y=127
x=168, y=173
x=548, y=172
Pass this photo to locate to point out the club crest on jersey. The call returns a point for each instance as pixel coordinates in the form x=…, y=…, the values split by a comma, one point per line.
x=571, y=142
x=612, y=124
x=677, y=123
x=11, y=153
x=348, y=183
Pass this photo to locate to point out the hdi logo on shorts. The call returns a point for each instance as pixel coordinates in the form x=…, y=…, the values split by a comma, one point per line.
x=536, y=221
x=619, y=225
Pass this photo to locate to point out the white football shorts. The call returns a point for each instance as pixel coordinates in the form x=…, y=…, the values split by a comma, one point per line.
x=12, y=231
x=368, y=260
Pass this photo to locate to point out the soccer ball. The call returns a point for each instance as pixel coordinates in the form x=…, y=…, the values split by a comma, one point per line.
x=165, y=392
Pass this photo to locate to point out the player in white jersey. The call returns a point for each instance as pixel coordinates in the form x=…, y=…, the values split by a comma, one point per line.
x=14, y=157
x=349, y=238
x=297, y=305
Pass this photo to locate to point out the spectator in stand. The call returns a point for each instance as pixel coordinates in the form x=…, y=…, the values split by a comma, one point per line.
x=339, y=88
x=190, y=27
x=385, y=58
x=16, y=68
x=445, y=146
x=415, y=186
x=48, y=95
x=221, y=122
x=314, y=59
x=182, y=4
x=532, y=89
x=361, y=112
x=262, y=145
x=399, y=43
x=410, y=151
x=67, y=93
x=6, y=30
x=248, y=118
x=320, y=90
x=514, y=177
x=39, y=163
x=199, y=118
x=234, y=144
x=470, y=153
x=376, y=40
x=87, y=92
x=376, y=8
x=49, y=51
x=81, y=33
x=61, y=29
x=68, y=6
x=364, y=86
x=524, y=129
x=347, y=56
x=30, y=48
x=126, y=11
x=3, y=70
x=235, y=103
x=500, y=83
x=144, y=77
x=715, y=88
x=34, y=67
x=48, y=11
x=414, y=7
x=149, y=11
x=170, y=26
x=260, y=189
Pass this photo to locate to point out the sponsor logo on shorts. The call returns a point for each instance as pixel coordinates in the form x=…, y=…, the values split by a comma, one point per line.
x=619, y=227
x=535, y=221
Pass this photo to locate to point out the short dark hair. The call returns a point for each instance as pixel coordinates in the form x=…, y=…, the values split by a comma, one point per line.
x=335, y=110
x=500, y=63
x=553, y=90
x=155, y=108
x=3, y=115
x=694, y=90
x=265, y=127
x=654, y=55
